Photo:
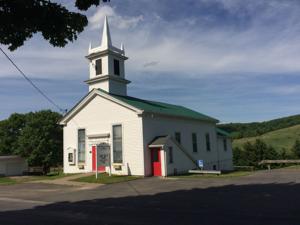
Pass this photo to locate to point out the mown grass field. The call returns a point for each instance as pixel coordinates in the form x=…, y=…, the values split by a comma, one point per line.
x=104, y=178
x=7, y=181
x=282, y=138
x=233, y=174
x=24, y=179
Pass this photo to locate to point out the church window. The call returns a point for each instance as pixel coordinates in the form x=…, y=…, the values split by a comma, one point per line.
x=178, y=137
x=170, y=155
x=116, y=67
x=225, y=144
x=207, y=142
x=117, y=144
x=81, y=145
x=98, y=66
x=194, y=141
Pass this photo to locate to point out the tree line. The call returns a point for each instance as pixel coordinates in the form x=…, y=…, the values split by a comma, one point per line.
x=35, y=136
x=250, y=154
x=242, y=130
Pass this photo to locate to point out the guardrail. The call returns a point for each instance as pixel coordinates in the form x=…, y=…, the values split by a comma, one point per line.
x=284, y=161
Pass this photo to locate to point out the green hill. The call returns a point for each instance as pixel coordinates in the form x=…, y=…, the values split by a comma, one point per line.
x=282, y=138
x=243, y=130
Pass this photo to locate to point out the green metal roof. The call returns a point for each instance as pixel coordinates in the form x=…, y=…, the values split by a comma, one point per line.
x=222, y=132
x=162, y=108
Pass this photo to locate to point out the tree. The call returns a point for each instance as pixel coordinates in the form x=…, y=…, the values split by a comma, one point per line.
x=271, y=153
x=41, y=140
x=250, y=156
x=252, y=153
x=10, y=130
x=283, y=154
x=239, y=157
x=35, y=136
x=296, y=149
x=19, y=20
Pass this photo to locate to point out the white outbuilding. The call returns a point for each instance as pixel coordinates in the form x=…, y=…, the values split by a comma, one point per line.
x=12, y=165
x=146, y=138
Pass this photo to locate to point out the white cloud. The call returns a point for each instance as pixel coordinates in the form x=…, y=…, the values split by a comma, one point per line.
x=178, y=47
x=211, y=48
x=268, y=45
x=121, y=22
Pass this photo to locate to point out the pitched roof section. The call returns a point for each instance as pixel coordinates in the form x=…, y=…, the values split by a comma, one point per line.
x=222, y=132
x=162, y=108
x=159, y=141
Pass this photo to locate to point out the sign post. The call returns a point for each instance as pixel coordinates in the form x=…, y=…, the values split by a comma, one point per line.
x=103, y=156
x=109, y=162
x=96, y=162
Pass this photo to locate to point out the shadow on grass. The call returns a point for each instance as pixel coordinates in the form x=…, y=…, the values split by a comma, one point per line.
x=234, y=204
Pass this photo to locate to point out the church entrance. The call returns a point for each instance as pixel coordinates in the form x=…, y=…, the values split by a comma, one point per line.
x=156, y=161
x=100, y=168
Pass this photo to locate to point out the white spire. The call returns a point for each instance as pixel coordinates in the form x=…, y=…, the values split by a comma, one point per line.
x=90, y=46
x=122, y=48
x=106, y=39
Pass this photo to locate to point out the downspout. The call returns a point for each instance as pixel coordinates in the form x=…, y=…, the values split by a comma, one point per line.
x=218, y=154
x=165, y=162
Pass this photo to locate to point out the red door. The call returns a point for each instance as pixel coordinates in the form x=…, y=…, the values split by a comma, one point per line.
x=156, y=162
x=100, y=168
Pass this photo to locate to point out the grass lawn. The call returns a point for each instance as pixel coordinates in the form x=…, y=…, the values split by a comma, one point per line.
x=104, y=178
x=224, y=175
x=7, y=180
x=53, y=176
x=23, y=179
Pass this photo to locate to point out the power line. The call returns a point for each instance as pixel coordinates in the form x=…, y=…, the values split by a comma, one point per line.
x=32, y=84
x=38, y=89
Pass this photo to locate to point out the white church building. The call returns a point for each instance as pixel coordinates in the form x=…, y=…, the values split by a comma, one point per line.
x=146, y=138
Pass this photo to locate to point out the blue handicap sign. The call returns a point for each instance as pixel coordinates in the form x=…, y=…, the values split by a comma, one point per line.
x=200, y=163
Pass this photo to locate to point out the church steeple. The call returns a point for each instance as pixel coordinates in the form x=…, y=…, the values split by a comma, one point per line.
x=106, y=39
x=107, y=70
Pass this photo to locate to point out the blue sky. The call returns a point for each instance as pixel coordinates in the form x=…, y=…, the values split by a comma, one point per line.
x=236, y=60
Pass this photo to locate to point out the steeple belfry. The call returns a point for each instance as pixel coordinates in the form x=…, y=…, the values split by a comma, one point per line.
x=107, y=69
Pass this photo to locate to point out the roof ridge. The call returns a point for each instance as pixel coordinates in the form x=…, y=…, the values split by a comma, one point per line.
x=162, y=107
x=152, y=101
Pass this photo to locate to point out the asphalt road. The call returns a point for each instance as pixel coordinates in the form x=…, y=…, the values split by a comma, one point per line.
x=263, y=198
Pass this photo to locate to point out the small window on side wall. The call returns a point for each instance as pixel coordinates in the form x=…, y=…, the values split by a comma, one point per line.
x=116, y=67
x=194, y=141
x=170, y=155
x=178, y=137
x=225, y=144
x=207, y=138
x=98, y=66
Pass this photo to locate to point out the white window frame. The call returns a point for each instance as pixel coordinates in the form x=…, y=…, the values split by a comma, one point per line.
x=85, y=146
x=112, y=142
